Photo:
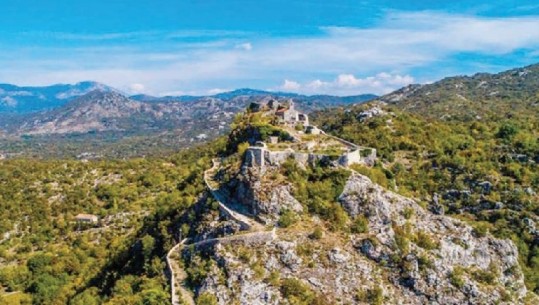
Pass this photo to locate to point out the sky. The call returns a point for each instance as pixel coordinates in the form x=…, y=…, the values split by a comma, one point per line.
x=339, y=47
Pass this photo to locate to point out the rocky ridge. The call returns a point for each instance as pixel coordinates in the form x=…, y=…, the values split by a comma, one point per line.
x=413, y=256
x=399, y=254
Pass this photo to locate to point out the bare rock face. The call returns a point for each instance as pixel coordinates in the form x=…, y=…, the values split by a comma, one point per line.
x=264, y=198
x=408, y=256
x=449, y=252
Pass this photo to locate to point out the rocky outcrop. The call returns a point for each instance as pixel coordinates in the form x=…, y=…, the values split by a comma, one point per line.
x=264, y=198
x=454, y=252
x=407, y=256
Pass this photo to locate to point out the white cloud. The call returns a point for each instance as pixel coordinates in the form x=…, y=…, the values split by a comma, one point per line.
x=173, y=93
x=289, y=85
x=245, y=46
x=403, y=43
x=348, y=84
x=216, y=91
x=137, y=88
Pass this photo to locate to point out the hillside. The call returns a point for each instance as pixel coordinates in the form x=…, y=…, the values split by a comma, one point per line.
x=484, y=172
x=295, y=220
x=340, y=238
x=48, y=257
x=95, y=111
x=482, y=96
x=107, y=123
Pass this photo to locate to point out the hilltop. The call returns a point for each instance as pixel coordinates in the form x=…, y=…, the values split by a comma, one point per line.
x=339, y=237
x=482, y=171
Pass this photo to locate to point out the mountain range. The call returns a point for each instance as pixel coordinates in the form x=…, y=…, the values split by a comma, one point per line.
x=92, y=112
x=89, y=112
x=105, y=109
x=22, y=100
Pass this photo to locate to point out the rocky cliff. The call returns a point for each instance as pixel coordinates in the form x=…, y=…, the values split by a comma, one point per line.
x=403, y=255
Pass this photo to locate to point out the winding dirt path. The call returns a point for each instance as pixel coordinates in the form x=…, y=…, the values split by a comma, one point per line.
x=177, y=277
x=224, y=202
x=257, y=233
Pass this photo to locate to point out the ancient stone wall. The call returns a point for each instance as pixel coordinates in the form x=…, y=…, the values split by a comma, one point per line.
x=259, y=157
x=370, y=159
x=350, y=158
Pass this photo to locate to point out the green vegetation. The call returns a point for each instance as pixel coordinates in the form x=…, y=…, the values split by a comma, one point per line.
x=318, y=188
x=274, y=278
x=457, y=277
x=360, y=225
x=287, y=218
x=317, y=233
x=484, y=171
x=206, y=299
x=51, y=259
x=373, y=296
x=298, y=293
x=426, y=241
x=250, y=128
x=489, y=97
x=473, y=165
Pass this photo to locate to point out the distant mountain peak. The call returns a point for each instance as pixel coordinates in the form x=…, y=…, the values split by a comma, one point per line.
x=101, y=97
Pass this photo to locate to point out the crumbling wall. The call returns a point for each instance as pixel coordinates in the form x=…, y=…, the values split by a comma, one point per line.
x=350, y=158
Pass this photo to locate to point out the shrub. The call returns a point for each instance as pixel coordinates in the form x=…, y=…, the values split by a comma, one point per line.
x=373, y=296
x=274, y=278
x=206, y=298
x=480, y=229
x=457, y=277
x=402, y=238
x=286, y=219
x=507, y=131
x=426, y=241
x=297, y=292
x=424, y=263
x=317, y=233
x=360, y=225
x=242, y=147
x=408, y=213
x=486, y=276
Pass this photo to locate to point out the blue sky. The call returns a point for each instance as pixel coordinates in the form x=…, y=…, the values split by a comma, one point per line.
x=338, y=47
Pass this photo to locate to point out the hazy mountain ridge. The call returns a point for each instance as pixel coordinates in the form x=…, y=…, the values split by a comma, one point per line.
x=16, y=99
x=26, y=99
x=103, y=120
x=102, y=110
x=246, y=92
